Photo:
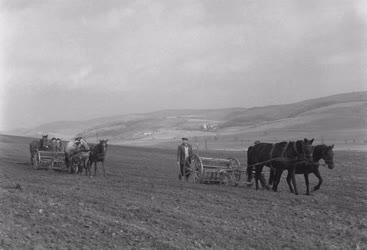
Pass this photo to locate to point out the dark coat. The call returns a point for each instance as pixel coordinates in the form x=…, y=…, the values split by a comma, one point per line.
x=181, y=153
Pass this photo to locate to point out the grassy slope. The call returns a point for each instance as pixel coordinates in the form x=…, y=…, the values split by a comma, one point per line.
x=335, y=118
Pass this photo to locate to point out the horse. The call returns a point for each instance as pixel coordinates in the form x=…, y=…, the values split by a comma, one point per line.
x=320, y=152
x=79, y=149
x=261, y=154
x=79, y=160
x=98, y=154
x=36, y=145
x=291, y=165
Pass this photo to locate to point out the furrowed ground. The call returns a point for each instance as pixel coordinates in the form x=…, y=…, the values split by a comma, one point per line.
x=140, y=204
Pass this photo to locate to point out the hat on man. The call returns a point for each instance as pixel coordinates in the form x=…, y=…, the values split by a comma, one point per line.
x=184, y=139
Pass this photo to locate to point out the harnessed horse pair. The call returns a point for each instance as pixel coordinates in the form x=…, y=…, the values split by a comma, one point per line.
x=79, y=155
x=294, y=156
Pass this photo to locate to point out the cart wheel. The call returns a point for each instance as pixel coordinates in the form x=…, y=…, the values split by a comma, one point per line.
x=196, y=169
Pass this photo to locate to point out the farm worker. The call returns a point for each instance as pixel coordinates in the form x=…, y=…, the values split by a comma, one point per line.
x=184, y=155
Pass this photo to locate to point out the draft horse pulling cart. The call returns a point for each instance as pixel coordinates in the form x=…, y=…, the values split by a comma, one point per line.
x=215, y=170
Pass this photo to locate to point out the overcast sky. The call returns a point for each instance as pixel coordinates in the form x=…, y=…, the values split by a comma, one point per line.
x=78, y=59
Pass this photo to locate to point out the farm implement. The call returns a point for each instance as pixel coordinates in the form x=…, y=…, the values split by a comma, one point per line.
x=215, y=170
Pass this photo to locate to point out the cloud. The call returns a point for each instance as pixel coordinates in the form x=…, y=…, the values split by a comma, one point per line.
x=146, y=55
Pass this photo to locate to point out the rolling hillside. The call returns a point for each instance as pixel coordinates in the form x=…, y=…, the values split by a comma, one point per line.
x=335, y=119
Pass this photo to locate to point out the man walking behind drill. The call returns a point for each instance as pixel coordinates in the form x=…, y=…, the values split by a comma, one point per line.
x=184, y=155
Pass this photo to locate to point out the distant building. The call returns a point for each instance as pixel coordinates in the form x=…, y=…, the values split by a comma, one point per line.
x=208, y=127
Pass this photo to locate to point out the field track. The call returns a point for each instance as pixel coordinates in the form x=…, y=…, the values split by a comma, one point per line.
x=142, y=205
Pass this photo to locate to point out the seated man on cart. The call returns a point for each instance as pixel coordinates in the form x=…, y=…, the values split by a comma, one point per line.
x=184, y=156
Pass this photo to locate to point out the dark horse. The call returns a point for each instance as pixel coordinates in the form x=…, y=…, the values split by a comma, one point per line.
x=261, y=154
x=279, y=165
x=323, y=152
x=36, y=145
x=97, y=154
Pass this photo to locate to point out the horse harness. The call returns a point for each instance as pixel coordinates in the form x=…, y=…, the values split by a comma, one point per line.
x=282, y=155
x=283, y=150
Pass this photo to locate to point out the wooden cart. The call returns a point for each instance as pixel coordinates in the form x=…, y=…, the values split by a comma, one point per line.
x=49, y=160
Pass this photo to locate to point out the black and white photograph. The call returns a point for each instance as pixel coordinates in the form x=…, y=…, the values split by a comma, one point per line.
x=183, y=124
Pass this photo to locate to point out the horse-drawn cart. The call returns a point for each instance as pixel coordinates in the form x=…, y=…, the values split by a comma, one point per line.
x=215, y=170
x=49, y=160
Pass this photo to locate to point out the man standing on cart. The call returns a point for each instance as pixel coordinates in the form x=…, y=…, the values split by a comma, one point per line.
x=184, y=155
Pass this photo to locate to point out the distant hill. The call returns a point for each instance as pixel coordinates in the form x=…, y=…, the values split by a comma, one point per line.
x=338, y=118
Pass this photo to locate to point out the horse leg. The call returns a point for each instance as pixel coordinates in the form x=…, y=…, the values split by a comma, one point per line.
x=104, y=172
x=249, y=176
x=257, y=174
x=277, y=175
x=293, y=170
x=95, y=168
x=68, y=165
x=89, y=166
x=275, y=178
x=289, y=178
x=260, y=177
x=79, y=166
x=263, y=182
x=87, y=169
x=317, y=174
x=83, y=168
x=307, y=184
x=278, y=178
x=32, y=159
x=272, y=175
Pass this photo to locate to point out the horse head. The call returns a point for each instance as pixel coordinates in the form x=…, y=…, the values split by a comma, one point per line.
x=326, y=153
x=303, y=149
x=103, y=145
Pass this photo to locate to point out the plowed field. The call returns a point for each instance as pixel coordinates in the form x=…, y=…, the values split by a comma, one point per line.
x=140, y=204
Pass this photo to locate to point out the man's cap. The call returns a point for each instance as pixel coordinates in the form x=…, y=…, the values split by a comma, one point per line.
x=184, y=139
